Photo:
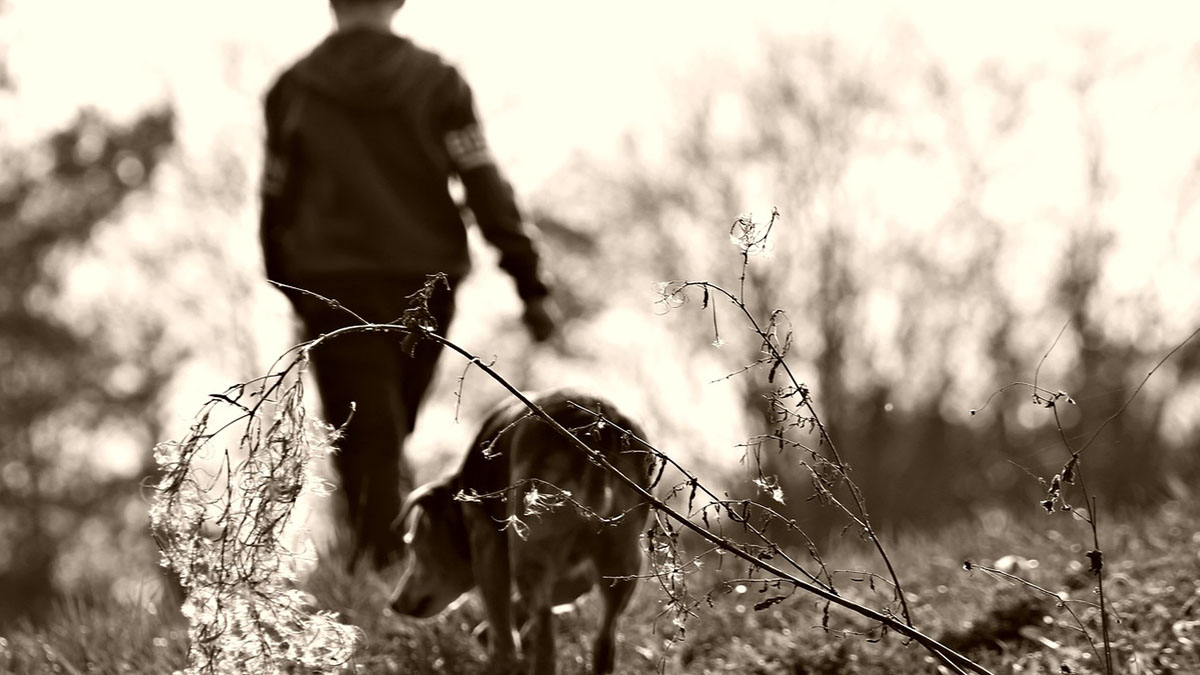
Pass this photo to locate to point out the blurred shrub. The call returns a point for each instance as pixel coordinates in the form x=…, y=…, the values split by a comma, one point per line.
x=921, y=265
x=68, y=389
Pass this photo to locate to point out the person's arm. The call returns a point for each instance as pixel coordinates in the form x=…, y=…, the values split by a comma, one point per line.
x=492, y=200
x=274, y=210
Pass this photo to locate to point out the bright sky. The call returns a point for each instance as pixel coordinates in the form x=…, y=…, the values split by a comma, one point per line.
x=563, y=73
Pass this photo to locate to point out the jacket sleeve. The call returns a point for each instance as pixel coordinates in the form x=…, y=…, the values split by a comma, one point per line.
x=488, y=193
x=274, y=209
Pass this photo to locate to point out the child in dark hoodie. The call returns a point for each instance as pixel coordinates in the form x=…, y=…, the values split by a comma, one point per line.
x=363, y=136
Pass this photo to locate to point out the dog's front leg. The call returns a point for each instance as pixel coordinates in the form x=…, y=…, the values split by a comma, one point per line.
x=539, y=641
x=489, y=560
x=537, y=565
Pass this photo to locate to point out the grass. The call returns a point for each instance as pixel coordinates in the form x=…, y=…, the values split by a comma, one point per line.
x=1151, y=563
x=94, y=635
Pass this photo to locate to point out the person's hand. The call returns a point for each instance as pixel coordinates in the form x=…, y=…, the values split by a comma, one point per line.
x=541, y=318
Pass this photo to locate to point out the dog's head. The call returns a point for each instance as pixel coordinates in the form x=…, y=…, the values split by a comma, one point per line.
x=437, y=558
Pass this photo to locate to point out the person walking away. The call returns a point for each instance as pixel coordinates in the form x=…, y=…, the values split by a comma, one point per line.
x=363, y=136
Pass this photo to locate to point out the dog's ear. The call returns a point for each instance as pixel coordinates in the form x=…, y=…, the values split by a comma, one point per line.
x=424, y=493
x=397, y=527
x=449, y=512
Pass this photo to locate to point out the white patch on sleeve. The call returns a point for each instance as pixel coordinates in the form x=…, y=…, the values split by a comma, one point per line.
x=468, y=148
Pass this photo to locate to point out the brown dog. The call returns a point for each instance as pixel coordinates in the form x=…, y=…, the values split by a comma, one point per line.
x=534, y=511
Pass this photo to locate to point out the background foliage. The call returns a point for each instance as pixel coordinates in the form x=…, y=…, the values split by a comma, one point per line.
x=941, y=222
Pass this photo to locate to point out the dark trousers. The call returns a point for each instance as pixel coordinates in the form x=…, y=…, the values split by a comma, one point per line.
x=371, y=374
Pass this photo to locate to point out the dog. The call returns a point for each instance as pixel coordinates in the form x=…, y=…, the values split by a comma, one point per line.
x=530, y=509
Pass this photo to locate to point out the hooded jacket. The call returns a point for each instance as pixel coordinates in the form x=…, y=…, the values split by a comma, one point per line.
x=363, y=136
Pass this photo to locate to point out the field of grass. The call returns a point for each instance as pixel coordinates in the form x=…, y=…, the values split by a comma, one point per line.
x=1151, y=565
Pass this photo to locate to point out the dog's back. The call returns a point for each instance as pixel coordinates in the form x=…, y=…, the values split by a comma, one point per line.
x=517, y=452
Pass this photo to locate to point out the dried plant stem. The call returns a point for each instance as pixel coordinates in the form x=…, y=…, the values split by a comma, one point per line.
x=1137, y=390
x=413, y=330
x=223, y=532
x=1096, y=555
x=948, y=657
x=1065, y=604
x=777, y=361
x=1098, y=567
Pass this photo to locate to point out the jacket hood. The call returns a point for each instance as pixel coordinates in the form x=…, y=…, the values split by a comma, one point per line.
x=366, y=68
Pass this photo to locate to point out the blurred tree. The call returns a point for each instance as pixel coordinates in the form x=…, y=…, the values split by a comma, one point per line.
x=1129, y=460
x=5, y=76
x=898, y=265
x=66, y=389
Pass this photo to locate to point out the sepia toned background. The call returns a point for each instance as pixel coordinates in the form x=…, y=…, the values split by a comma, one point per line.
x=955, y=187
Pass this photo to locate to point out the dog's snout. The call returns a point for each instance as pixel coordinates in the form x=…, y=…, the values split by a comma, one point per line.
x=418, y=605
x=394, y=601
x=397, y=605
x=399, y=602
